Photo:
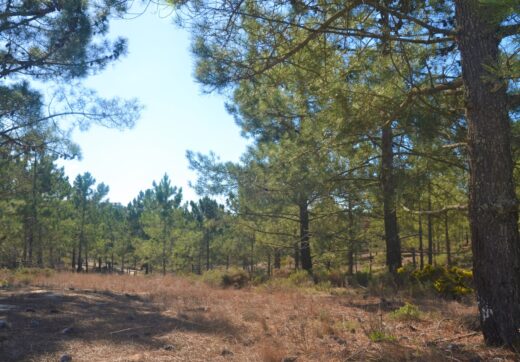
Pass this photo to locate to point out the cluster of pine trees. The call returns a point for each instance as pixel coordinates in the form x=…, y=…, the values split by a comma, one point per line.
x=378, y=127
x=361, y=109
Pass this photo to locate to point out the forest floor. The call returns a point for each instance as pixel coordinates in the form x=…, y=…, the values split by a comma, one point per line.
x=125, y=318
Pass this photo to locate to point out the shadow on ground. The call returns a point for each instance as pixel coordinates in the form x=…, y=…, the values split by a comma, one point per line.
x=40, y=322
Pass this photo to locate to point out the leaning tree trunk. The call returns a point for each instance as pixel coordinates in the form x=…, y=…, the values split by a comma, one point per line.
x=393, y=244
x=493, y=205
x=305, y=249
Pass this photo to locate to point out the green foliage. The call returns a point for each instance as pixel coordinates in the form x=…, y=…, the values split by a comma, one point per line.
x=407, y=312
x=300, y=278
x=380, y=336
x=236, y=278
x=213, y=277
x=334, y=277
x=362, y=278
x=453, y=282
x=233, y=277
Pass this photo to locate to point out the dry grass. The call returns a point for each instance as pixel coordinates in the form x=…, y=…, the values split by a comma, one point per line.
x=126, y=318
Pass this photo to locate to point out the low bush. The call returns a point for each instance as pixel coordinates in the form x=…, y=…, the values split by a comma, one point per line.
x=406, y=312
x=453, y=282
x=336, y=277
x=301, y=278
x=236, y=278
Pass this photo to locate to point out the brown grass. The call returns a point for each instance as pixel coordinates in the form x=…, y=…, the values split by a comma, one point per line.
x=127, y=318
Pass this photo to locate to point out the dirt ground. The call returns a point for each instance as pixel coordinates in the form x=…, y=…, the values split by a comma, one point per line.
x=125, y=318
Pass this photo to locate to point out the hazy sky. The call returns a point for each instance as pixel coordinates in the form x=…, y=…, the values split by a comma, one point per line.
x=177, y=116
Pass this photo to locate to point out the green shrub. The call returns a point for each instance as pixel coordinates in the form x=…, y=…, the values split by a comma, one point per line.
x=324, y=286
x=449, y=282
x=301, y=278
x=226, y=278
x=335, y=277
x=259, y=276
x=361, y=278
x=380, y=336
x=213, y=277
x=406, y=312
x=236, y=278
x=278, y=284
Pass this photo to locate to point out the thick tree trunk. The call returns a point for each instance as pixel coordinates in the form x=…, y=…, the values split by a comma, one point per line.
x=73, y=261
x=493, y=207
x=393, y=244
x=305, y=249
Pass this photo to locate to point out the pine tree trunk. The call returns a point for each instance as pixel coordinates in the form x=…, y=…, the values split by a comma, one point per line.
x=421, y=246
x=305, y=249
x=447, y=238
x=277, y=259
x=268, y=264
x=493, y=206
x=252, y=258
x=39, y=246
x=296, y=256
x=164, y=257
x=73, y=261
x=393, y=244
x=79, y=264
x=430, y=226
x=206, y=237
x=350, y=253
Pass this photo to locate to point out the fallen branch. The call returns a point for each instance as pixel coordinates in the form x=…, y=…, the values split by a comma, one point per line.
x=129, y=329
x=455, y=338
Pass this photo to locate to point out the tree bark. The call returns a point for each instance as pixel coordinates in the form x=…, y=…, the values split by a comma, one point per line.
x=393, y=244
x=206, y=238
x=493, y=206
x=447, y=239
x=296, y=256
x=350, y=253
x=421, y=246
x=277, y=259
x=430, y=226
x=305, y=249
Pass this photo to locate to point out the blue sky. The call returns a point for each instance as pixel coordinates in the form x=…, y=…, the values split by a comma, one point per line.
x=177, y=116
